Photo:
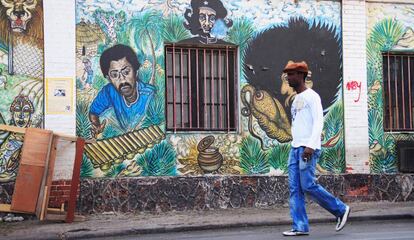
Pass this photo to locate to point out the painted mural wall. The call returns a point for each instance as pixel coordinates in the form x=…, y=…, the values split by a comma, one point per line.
x=21, y=76
x=121, y=84
x=390, y=27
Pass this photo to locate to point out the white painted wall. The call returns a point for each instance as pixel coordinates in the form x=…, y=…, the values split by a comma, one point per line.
x=354, y=67
x=59, y=35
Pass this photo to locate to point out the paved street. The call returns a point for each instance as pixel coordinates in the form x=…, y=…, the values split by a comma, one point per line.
x=368, y=230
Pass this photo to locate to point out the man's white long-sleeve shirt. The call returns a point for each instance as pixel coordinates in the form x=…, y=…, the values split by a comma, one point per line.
x=307, y=120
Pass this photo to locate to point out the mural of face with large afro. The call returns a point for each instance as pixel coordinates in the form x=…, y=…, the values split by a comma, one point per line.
x=203, y=15
x=22, y=110
x=269, y=52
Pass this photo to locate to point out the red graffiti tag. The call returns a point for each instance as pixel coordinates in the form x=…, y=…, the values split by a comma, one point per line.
x=354, y=85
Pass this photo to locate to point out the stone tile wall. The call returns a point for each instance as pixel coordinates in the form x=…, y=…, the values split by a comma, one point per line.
x=160, y=194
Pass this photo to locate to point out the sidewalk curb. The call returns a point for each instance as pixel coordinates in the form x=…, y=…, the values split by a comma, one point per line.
x=118, y=232
x=172, y=229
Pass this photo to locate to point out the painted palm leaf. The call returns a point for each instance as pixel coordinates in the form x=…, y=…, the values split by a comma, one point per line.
x=147, y=28
x=252, y=159
x=386, y=33
x=373, y=51
x=83, y=124
x=241, y=33
x=174, y=30
x=155, y=112
x=333, y=159
x=383, y=164
x=86, y=168
x=123, y=33
x=278, y=157
x=159, y=161
x=333, y=122
x=115, y=170
x=372, y=75
x=112, y=128
x=145, y=72
x=376, y=127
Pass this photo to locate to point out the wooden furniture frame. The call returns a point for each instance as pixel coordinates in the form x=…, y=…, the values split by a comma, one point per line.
x=42, y=211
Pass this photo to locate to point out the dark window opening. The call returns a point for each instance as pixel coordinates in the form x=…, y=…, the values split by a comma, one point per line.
x=201, y=88
x=398, y=70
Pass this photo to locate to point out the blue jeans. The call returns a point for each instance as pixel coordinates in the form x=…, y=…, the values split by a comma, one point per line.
x=302, y=180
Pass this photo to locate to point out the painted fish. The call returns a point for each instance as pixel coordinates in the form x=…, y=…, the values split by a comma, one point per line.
x=268, y=111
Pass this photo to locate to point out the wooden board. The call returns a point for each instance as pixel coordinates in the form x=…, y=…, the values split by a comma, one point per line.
x=70, y=216
x=26, y=188
x=28, y=185
x=7, y=208
x=36, y=146
x=42, y=205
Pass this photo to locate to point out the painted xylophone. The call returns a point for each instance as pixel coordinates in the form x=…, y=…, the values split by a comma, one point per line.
x=104, y=153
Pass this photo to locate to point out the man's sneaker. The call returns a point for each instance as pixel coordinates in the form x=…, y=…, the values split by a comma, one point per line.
x=342, y=220
x=293, y=232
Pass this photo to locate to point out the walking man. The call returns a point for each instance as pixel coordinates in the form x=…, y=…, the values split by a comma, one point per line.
x=307, y=124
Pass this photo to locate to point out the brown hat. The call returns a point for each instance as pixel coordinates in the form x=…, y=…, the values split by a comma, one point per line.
x=296, y=66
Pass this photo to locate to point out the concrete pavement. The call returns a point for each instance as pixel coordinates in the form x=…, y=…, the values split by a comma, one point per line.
x=115, y=224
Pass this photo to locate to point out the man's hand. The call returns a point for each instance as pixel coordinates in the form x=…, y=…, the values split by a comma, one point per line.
x=97, y=126
x=97, y=129
x=307, y=154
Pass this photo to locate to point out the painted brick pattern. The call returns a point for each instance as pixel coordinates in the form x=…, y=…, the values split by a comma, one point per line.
x=355, y=86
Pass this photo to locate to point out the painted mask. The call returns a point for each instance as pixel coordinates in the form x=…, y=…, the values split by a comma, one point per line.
x=22, y=109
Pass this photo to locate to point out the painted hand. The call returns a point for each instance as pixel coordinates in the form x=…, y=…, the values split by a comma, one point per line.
x=97, y=129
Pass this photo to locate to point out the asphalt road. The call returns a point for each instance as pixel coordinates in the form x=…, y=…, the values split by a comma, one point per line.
x=368, y=230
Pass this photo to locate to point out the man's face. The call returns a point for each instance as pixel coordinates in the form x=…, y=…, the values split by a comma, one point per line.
x=207, y=19
x=122, y=76
x=295, y=78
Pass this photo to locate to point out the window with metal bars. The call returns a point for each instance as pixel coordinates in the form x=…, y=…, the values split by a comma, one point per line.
x=398, y=76
x=201, y=88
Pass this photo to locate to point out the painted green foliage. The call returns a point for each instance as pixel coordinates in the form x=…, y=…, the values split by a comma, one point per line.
x=21, y=78
x=333, y=155
x=145, y=33
x=158, y=161
x=333, y=152
x=254, y=160
x=383, y=37
x=278, y=157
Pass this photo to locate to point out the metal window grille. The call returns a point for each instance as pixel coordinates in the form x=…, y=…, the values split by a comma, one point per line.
x=398, y=70
x=201, y=88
